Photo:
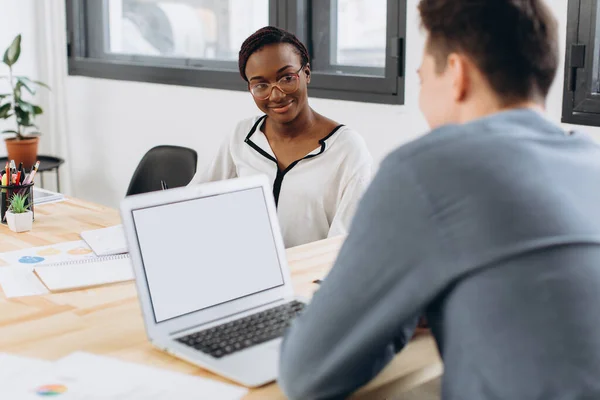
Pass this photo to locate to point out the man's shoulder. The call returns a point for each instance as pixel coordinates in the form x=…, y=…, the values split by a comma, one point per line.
x=430, y=144
x=484, y=139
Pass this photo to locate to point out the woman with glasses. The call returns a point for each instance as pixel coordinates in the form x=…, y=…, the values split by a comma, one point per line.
x=319, y=168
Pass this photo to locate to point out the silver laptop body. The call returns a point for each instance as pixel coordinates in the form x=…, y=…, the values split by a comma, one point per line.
x=209, y=259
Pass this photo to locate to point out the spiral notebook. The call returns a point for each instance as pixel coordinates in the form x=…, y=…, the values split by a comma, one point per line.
x=85, y=273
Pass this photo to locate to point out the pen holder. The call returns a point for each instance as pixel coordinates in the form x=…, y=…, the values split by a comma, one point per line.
x=6, y=194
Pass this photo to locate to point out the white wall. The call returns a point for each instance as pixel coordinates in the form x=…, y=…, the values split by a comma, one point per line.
x=111, y=124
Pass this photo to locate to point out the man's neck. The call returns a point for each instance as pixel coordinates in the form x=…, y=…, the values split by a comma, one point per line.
x=483, y=108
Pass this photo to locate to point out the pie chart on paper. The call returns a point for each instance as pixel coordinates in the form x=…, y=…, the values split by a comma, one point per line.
x=79, y=251
x=48, y=252
x=51, y=390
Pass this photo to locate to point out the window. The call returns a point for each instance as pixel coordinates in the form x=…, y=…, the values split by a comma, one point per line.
x=356, y=46
x=581, y=97
x=180, y=30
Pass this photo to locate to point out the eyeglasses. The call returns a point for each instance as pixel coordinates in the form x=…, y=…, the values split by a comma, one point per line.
x=287, y=84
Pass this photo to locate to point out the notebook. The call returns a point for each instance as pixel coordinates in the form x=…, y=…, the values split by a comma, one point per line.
x=106, y=241
x=80, y=274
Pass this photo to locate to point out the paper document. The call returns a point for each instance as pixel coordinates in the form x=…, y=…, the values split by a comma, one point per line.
x=17, y=281
x=83, y=376
x=42, y=196
x=106, y=241
x=16, y=267
x=13, y=368
x=66, y=251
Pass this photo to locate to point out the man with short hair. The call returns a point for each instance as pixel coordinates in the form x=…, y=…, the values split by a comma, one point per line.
x=489, y=226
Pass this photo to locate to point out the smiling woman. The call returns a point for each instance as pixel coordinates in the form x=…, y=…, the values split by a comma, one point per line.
x=319, y=168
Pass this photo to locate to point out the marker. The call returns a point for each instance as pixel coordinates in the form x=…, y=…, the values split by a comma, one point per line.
x=20, y=174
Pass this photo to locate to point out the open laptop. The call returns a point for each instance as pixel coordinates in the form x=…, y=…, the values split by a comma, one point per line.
x=211, y=275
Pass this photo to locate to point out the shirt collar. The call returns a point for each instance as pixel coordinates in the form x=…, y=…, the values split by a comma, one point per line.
x=258, y=141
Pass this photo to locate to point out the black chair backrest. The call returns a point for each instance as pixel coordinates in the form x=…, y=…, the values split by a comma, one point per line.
x=173, y=164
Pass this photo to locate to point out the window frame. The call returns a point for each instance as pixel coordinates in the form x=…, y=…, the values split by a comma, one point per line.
x=581, y=105
x=84, y=31
x=360, y=83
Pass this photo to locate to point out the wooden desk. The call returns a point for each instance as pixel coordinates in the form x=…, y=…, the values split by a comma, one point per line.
x=108, y=321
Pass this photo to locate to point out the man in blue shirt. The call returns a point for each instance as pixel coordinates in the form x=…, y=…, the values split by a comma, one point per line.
x=489, y=226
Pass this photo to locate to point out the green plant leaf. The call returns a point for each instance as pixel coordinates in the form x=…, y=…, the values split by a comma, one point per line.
x=25, y=106
x=39, y=83
x=22, y=83
x=19, y=110
x=37, y=110
x=7, y=131
x=4, y=110
x=18, y=204
x=42, y=84
x=23, y=116
x=11, y=55
x=17, y=92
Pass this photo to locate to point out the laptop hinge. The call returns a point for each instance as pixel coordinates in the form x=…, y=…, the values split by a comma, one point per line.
x=227, y=316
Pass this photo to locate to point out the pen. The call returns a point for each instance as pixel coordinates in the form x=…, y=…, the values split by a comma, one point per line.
x=163, y=185
x=31, y=175
x=20, y=174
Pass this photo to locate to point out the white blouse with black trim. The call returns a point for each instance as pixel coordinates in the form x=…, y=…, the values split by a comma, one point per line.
x=316, y=196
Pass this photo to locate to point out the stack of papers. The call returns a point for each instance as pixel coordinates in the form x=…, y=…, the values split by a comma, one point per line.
x=42, y=196
x=84, y=376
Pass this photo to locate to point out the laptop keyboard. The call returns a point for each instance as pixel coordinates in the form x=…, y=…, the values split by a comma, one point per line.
x=240, y=334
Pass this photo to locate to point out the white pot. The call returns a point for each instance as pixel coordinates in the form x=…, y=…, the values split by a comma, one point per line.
x=19, y=222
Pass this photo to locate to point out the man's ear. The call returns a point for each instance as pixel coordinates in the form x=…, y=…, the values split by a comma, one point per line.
x=459, y=67
x=307, y=72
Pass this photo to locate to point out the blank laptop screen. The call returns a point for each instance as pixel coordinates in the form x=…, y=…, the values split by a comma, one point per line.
x=203, y=252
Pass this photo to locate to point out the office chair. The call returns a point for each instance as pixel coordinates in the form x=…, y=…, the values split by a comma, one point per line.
x=174, y=165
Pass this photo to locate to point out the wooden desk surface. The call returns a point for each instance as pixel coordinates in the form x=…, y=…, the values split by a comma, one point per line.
x=108, y=321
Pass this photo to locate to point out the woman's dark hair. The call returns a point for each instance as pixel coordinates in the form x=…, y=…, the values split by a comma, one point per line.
x=514, y=43
x=264, y=37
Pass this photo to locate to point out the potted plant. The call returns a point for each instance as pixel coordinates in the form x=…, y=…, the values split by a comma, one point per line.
x=22, y=146
x=18, y=216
